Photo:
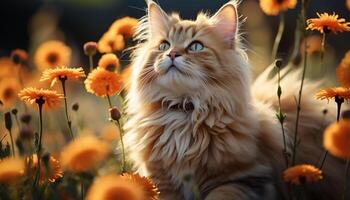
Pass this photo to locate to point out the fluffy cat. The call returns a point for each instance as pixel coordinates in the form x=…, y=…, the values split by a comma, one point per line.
x=193, y=110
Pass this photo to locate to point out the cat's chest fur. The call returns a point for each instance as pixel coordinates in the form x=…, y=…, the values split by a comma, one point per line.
x=181, y=142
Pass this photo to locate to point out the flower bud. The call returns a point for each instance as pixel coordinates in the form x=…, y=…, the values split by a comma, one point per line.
x=75, y=107
x=14, y=111
x=90, y=48
x=25, y=118
x=114, y=113
x=19, y=56
x=8, y=121
x=278, y=63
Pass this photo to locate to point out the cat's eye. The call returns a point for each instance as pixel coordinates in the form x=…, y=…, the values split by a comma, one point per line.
x=195, y=46
x=164, y=46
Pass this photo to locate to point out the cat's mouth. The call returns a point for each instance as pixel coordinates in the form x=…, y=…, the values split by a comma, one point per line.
x=174, y=68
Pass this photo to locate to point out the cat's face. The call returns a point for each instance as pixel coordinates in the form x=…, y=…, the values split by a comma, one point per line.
x=181, y=57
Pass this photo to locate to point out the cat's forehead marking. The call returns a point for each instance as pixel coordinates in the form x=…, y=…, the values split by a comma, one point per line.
x=183, y=30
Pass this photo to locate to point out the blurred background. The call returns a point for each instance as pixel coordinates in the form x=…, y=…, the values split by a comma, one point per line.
x=26, y=23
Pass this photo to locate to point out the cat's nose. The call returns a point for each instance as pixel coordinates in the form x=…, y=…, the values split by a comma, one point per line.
x=173, y=55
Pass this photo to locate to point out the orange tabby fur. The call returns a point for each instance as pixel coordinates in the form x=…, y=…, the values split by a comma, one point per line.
x=230, y=140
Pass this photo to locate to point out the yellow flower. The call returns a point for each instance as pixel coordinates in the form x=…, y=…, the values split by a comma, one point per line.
x=273, y=7
x=113, y=186
x=50, y=173
x=9, y=88
x=109, y=62
x=51, y=98
x=111, y=42
x=11, y=169
x=326, y=22
x=332, y=93
x=337, y=139
x=52, y=54
x=343, y=70
x=65, y=73
x=84, y=154
x=125, y=26
x=302, y=174
x=149, y=189
x=102, y=82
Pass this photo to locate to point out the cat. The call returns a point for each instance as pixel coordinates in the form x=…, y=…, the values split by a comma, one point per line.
x=194, y=112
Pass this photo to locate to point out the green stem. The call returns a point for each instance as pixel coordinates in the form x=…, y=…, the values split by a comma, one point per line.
x=69, y=122
x=117, y=123
x=40, y=103
x=303, y=10
x=109, y=101
x=278, y=37
x=339, y=102
x=12, y=143
x=91, y=63
x=281, y=116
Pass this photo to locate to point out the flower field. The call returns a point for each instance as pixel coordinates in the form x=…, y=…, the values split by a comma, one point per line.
x=62, y=135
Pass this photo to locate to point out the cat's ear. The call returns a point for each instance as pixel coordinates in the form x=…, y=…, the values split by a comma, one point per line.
x=225, y=22
x=157, y=18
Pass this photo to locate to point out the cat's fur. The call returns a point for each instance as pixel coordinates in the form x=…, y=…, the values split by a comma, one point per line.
x=230, y=142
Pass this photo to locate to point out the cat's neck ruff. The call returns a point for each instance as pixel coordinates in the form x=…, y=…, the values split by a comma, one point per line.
x=203, y=137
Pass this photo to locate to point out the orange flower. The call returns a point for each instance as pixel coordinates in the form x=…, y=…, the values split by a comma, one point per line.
x=348, y=4
x=302, y=174
x=9, y=88
x=50, y=172
x=102, y=82
x=343, y=70
x=11, y=169
x=111, y=42
x=109, y=62
x=31, y=95
x=326, y=22
x=273, y=7
x=52, y=75
x=84, y=154
x=125, y=26
x=337, y=138
x=52, y=54
x=149, y=189
x=314, y=45
x=113, y=186
x=332, y=93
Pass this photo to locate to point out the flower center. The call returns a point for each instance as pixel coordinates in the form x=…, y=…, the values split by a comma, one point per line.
x=111, y=67
x=52, y=58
